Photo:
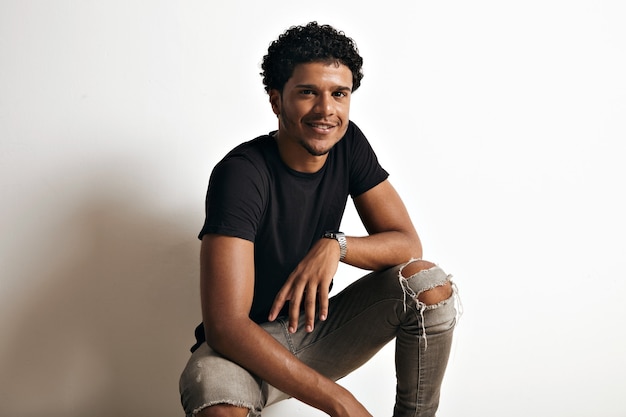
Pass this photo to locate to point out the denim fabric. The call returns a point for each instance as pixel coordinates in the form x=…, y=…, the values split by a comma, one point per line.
x=362, y=319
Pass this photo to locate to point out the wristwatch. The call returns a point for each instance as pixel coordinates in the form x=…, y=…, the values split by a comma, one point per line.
x=343, y=244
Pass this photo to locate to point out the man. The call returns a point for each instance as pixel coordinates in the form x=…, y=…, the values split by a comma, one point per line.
x=271, y=247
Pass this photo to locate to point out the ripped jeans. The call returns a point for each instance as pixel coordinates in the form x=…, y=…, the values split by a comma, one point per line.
x=362, y=319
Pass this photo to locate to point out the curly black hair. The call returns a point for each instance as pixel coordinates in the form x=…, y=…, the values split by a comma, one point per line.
x=310, y=43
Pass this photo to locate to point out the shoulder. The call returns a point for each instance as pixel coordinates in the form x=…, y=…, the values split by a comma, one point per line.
x=354, y=139
x=254, y=150
x=355, y=142
x=354, y=132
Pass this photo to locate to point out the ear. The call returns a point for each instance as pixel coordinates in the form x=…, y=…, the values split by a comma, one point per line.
x=275, y=101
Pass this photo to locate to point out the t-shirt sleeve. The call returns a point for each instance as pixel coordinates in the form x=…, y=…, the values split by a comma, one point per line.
x=234, y=201
x=365, y=171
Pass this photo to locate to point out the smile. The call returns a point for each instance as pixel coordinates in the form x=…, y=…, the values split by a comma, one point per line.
x=321, y=126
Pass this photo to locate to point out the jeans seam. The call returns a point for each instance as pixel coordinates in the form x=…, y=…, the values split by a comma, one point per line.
x=287, y=335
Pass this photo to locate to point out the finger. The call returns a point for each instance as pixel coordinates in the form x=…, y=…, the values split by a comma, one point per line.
x=323, y=302
x=294, y=311
x=279, y=302
x=309, y=308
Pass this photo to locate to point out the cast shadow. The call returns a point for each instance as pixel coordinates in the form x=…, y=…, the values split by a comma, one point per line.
x=109, y=330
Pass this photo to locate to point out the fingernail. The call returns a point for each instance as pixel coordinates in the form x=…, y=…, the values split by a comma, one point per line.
x=309, y=328
x=291, y=330
x=323, y=317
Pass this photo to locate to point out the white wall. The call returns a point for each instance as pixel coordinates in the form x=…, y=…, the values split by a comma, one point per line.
x=502, y=124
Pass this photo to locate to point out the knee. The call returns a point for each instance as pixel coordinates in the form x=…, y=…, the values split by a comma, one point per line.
x=416, y=266
x=437, y=294
x=434, y=295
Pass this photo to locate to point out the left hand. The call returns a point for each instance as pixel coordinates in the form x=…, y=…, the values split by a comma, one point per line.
x=309, y=283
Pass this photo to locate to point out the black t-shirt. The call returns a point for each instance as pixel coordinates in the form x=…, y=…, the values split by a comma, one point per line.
x=254, y=195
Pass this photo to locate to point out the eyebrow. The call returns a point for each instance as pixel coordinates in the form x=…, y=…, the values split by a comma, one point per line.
x=314, y=87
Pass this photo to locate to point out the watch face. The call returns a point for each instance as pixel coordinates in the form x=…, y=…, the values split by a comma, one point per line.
x=331, y=235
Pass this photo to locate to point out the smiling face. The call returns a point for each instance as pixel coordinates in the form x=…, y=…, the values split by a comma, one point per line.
x=313, y=112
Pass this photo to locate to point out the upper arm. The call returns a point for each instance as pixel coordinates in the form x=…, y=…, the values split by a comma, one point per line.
x=381, y=210
x=226, y=279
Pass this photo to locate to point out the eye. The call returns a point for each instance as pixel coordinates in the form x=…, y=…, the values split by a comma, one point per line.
x=307, y=92
x=340, y=94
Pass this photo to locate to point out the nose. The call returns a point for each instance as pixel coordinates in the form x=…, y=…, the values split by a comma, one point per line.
x=324, y=105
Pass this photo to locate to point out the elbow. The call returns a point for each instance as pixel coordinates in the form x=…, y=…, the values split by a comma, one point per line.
x=413, y=247
x=416, y=248
x=214, y=336
x=219, y=333
x=406, y=247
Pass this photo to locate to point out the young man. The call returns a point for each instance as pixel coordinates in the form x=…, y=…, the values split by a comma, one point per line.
x=271, y=247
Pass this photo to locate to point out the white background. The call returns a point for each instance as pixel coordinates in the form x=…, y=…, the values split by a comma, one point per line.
x=501, y=123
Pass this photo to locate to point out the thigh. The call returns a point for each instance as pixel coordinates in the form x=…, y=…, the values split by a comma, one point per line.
x=367, y=315
x=362, y=319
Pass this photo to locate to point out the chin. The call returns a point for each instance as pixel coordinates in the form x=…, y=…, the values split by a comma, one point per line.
x=315, y=151
x=318, y=153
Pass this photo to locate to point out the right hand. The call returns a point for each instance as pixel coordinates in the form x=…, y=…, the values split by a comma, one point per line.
x=309, y=284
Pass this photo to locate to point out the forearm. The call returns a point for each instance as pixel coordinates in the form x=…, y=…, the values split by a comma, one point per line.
x=226, y=288
x=382, y=250
x=248, y=345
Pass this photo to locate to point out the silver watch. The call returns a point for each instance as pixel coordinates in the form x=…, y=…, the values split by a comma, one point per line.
x=343, y=244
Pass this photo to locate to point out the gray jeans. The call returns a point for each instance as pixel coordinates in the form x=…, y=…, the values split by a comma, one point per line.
x=362, y=319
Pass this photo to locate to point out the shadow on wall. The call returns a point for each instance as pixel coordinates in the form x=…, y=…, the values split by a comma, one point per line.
x=107, y=332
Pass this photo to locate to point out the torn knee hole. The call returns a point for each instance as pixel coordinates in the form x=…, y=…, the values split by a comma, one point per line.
x=425, y=283
x=436, y=295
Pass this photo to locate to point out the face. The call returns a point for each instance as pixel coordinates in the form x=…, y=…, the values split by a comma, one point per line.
x=313, y=109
